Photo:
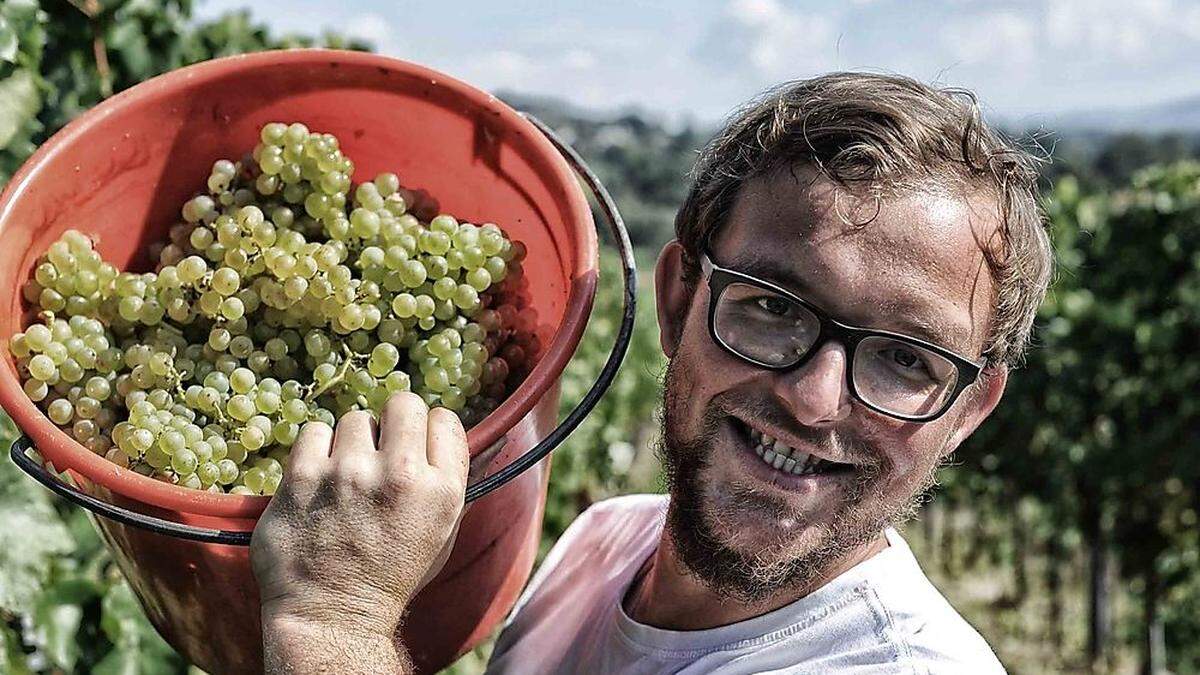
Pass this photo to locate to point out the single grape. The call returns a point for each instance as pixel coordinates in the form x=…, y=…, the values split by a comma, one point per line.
x=184, y=461
x=42, y=367
x=60, y=411
x=242, y=380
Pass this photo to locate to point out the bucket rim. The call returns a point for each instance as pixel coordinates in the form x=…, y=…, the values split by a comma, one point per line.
x=65, y=453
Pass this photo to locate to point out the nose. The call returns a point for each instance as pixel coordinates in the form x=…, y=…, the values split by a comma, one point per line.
x=816, y=392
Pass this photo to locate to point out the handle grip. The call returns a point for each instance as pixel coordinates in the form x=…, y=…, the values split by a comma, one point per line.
x=22, y=445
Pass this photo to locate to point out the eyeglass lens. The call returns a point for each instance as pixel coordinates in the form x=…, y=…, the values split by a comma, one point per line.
x=771, y=329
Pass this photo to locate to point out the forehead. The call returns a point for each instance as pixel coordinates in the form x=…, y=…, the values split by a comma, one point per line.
x=917, y=267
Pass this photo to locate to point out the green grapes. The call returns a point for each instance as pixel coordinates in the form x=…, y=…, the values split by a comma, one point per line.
x=284, y=294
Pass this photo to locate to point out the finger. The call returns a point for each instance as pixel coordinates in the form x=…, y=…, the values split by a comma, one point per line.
x=447, y=445
x=402, y=434
x=310, y=452
x=355, y=435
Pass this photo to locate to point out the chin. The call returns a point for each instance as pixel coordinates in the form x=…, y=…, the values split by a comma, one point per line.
x=760, y=522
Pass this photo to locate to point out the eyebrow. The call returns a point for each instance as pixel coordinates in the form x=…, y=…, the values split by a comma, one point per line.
x=907, y=317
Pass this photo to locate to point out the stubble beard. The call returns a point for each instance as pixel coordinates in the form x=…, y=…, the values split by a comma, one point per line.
x=755, y=575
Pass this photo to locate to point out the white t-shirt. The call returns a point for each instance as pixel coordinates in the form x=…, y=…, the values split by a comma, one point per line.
x=881, y=616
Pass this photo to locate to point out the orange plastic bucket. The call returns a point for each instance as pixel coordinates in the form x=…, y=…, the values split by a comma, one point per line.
x=120, y=172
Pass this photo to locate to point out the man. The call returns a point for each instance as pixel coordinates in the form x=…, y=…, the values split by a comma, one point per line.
x=857, y=266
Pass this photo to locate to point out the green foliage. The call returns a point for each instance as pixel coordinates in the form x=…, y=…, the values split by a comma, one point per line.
x=642, y=162
x=25, y=561
x=601, y=458
x=63, y=604
x=22, y=38
x=1099, y=428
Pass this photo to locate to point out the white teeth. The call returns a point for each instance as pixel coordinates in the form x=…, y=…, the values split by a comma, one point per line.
x=802, y=460
x=781, y=456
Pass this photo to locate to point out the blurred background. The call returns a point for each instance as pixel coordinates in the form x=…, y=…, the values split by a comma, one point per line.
x=1065, y=530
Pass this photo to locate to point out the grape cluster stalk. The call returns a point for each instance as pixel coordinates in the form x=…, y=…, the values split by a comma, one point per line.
x=285, y=294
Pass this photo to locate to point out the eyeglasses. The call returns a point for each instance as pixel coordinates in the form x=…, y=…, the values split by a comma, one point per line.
x=893, y=374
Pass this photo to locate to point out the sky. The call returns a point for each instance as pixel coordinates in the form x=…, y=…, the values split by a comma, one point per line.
x=696, y=60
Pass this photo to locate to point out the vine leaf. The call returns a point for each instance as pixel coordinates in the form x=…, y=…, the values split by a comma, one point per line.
x=19, y=102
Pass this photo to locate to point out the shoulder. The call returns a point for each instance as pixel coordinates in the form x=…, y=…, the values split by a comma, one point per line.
x=925, y=628
x=622, y=526
x=579, y=584
x=609, y=535
x=624, y=512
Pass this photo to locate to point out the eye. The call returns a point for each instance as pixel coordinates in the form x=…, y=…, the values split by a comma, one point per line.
x=907, y=361
x=774, y=304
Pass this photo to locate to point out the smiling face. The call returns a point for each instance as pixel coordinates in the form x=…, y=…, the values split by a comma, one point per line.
x=745, y=521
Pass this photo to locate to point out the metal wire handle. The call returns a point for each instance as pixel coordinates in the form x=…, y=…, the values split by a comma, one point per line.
x=22, y=445
x=624, y=334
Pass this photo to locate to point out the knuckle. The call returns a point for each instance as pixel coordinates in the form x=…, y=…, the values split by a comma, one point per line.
x=300, y=473
x=406, y=401
x=444, y=417
x=401, y=477
x=356, y=472
x=356, y=417
x=315, y=433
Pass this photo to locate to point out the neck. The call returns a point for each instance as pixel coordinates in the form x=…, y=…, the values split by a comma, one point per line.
x=669, y=596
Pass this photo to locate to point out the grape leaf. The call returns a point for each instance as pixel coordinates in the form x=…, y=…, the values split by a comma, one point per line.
x=8, y=41
x=125, y=624
x=119, y=661
x=25, y=560
x=12, y=659
x=56, y=624
x=19, y=101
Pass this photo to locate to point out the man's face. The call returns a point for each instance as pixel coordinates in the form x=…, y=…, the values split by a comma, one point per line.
x=743, y=526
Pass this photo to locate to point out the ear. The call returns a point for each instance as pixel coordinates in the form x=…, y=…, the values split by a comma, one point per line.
x=672, y=297
x=989, y=390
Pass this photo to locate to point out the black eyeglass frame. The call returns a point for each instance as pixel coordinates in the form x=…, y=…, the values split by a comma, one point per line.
x=719, y=278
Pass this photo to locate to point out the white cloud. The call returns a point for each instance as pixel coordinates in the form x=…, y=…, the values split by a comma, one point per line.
x=992, y=38
x=569, y=73
x=1116, y=28
x=369, y=26
x=579, y=59
x=508, y=64
x=769, y=39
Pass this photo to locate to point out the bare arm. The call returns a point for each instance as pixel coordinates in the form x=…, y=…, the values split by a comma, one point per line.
x=357, y=527
x=298, y=646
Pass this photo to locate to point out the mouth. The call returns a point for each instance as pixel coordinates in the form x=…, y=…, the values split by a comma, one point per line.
x=785, y=459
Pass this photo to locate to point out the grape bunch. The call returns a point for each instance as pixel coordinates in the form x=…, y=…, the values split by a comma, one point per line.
x=285, y=294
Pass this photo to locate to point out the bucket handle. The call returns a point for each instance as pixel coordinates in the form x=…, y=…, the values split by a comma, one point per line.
x=624, y=334
x=23, y=444
x=20, y=457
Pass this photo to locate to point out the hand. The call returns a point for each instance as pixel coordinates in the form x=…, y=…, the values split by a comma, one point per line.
x=359, y=525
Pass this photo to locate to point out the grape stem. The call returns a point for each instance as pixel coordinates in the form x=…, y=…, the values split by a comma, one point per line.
x=337, y=378
x=176, y=378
